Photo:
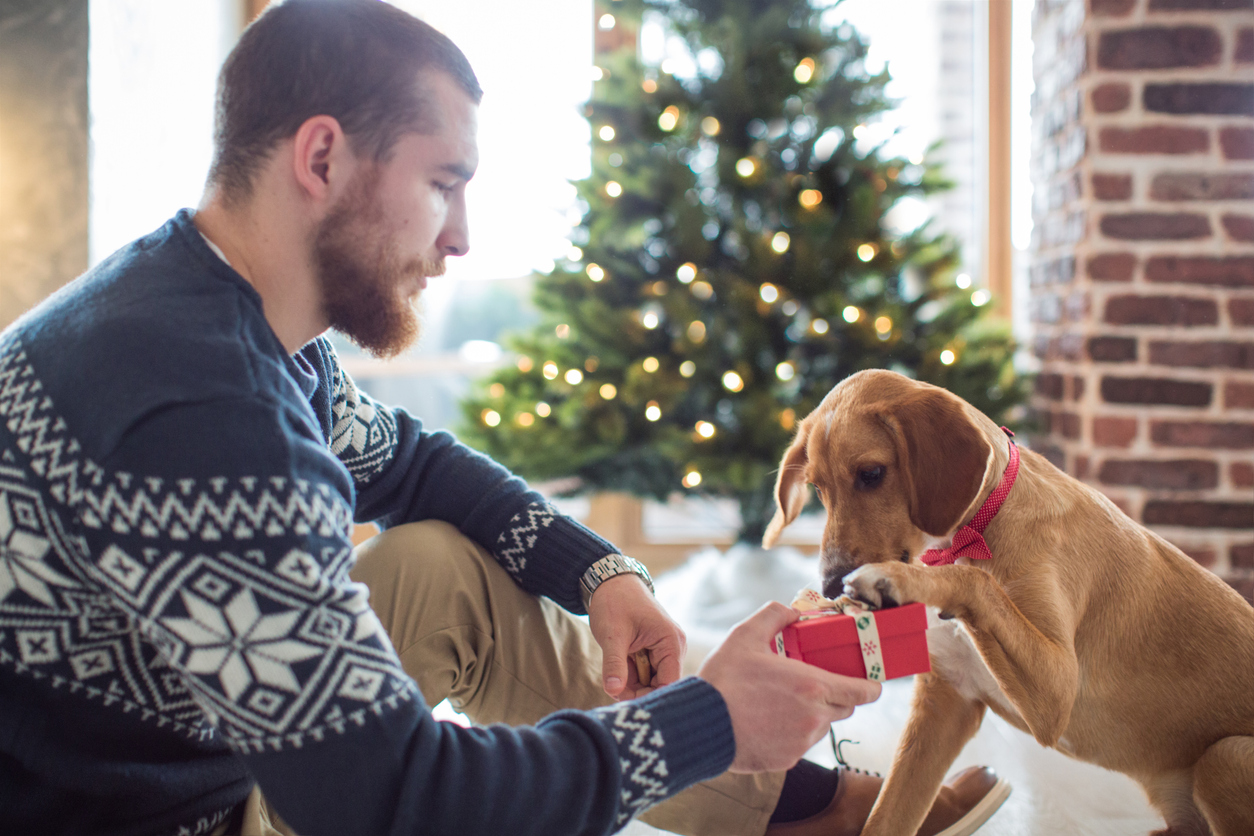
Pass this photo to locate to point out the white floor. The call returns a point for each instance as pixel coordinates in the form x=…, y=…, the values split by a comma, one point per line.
x=1053, y=795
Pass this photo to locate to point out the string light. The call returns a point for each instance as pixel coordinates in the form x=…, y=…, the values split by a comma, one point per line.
x=788, y=419
x=696, y=331
x=710, y=126
x=597, y=73
x=652, y=411
x=648, y=85
x=595, y=272
x=883, y=325
x=980, y=298
x=851, y=314
x=613, y=188
x=550, y=370
x=780, y=242
x=669, y=118
x=574, y=254
x=692, y=478
x=649, y=319
x=574, y=377
x=809, y=198
x=658, y=288
x=819, y=326
x=686, y=272
x=687, y=368
x=490, y=417
x=650, y=364
x=562, y=331
x=497, y=390
x=768, y=292
x=606, y=133
x=606, y=22
x=702, y=290
x=608, y=391
x=525, y=364
x=866, y=252
x=526, y=419
x=733, y=382
x=785, y=371
x=705, y=429
x=963, y=281
x=790, y=307
x=745, y=166
x=947, y=357
x=543, y=409
x=804, y=71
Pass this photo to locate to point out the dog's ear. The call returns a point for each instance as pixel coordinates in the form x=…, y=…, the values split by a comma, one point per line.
x=942, y=455
x=790, y=488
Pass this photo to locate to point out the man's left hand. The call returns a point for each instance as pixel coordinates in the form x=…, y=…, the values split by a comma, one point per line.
x=626, y=618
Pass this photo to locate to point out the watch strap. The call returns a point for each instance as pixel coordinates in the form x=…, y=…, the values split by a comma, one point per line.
x=608, y=567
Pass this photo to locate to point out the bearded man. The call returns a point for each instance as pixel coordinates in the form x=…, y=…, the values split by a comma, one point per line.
x=188, y=641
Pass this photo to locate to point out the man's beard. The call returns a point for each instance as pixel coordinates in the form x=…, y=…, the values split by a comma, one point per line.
x=360, y=273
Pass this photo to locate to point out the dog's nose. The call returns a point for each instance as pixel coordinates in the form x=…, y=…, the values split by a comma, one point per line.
x=834, y=585
x=835, y=563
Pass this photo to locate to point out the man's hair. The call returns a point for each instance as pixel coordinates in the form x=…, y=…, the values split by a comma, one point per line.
x=358, y=61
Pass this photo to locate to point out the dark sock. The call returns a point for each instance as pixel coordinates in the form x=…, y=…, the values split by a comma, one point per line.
x=808, y=789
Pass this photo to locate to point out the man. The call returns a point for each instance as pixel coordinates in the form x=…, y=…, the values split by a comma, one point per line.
x=182, y=649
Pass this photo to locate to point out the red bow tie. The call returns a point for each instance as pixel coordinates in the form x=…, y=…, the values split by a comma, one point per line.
x=969, y=540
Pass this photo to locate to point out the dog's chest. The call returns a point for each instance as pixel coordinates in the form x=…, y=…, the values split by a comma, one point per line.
x=955, y=659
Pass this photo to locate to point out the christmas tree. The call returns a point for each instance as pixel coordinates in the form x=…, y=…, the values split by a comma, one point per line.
x=733, y=264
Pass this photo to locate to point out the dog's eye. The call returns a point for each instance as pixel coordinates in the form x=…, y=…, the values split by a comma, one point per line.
x=870, y=477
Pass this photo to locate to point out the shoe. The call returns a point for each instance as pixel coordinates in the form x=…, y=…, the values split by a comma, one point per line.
x=966, y=801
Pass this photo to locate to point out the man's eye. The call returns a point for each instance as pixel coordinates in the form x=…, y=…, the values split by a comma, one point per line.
x=445, y=189
x=870, y=477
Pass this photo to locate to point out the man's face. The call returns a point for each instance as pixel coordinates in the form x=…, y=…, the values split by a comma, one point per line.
x=395, y=224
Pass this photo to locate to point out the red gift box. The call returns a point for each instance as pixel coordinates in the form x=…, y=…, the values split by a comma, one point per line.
x=832, y=642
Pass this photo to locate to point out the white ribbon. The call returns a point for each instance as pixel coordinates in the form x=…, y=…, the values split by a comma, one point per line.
x=869, y=644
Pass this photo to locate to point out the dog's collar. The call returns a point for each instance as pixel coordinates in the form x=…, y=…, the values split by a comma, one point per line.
x=969, y=540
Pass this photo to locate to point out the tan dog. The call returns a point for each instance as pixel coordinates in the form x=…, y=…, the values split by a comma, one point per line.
x=1084, y=629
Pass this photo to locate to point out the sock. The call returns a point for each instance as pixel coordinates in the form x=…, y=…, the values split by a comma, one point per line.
x=808, y=789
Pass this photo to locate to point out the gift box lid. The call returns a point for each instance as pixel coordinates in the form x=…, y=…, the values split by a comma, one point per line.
x=824, y=631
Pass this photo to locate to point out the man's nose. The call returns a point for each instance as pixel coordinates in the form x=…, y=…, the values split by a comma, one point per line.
x=454, y=239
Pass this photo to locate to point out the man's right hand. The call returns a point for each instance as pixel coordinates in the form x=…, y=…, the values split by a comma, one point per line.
x=779, y=707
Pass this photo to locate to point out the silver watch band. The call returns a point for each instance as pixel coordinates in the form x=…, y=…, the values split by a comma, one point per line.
x=608, y=567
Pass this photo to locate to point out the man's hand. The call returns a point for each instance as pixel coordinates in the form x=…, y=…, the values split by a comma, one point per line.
x=626, y=618
x=779, y=707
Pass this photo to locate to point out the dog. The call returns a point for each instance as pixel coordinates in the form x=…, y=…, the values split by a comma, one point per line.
x=1084, y=629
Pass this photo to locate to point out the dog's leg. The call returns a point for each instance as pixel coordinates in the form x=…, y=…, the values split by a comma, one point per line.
x=941, y=722
x=1171, y=794
x=1223, y=785
x=1030, y=654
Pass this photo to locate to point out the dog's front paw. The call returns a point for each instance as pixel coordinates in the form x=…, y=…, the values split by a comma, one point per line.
x=874, y=586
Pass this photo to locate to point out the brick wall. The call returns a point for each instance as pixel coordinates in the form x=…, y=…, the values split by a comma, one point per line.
x=1142, y=277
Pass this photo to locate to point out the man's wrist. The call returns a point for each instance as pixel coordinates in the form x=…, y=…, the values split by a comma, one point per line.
x=608, y=567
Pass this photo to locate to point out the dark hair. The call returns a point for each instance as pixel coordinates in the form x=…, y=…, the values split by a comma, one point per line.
x=355, y=60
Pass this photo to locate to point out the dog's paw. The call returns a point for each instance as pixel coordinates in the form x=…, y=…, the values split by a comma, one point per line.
x=874, y=586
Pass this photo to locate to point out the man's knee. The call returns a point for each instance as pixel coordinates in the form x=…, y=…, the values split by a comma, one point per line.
x=429, y=548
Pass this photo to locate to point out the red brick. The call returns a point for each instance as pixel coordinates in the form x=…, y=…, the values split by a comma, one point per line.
x=1080, y=467
x=1161, y=310
x=1112, y=267
x=1159, y=48
x=1238, y=395
x=1111, y=8
x=1211, y=354
x=1068, y=423
x=1243, y=52
x=1237, y=143
x=1156, y=226
x=1239, y=227
x=1156, y=390
x=1241, y=311
x=1241, y=556
x=1155, y=139
x=1112, y=186
x=1242, y=474
x=1210, y=98
x=1112, y=349
x=1181, y=474
x=1214, y=186
x=1232, y=435
x=1114, y=432
x=1234, y=271
x=1199, y=514
x=1112, y=97
x=1213, y=5
x=1049, y=386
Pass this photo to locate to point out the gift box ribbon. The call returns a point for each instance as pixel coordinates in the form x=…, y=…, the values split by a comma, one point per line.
x=813, y=605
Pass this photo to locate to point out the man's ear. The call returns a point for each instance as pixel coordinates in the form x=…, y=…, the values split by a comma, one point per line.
x=319, y=144
x=790, y=488
x=942, y=456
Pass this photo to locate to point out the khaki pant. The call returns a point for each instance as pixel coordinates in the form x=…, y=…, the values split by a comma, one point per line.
x=466, y=632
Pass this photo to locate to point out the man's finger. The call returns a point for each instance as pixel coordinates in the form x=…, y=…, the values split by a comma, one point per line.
x=614, y=667
x=848, y=690
x=767, y=621
x=668, y=669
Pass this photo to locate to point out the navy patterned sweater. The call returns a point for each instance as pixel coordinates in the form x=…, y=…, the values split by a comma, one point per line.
x=176, y=616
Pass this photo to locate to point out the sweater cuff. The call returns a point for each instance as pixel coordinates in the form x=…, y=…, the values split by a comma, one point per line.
x=547, y=552
x=667, y=741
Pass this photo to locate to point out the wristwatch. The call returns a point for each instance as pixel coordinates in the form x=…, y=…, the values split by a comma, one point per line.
x=608, y=567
